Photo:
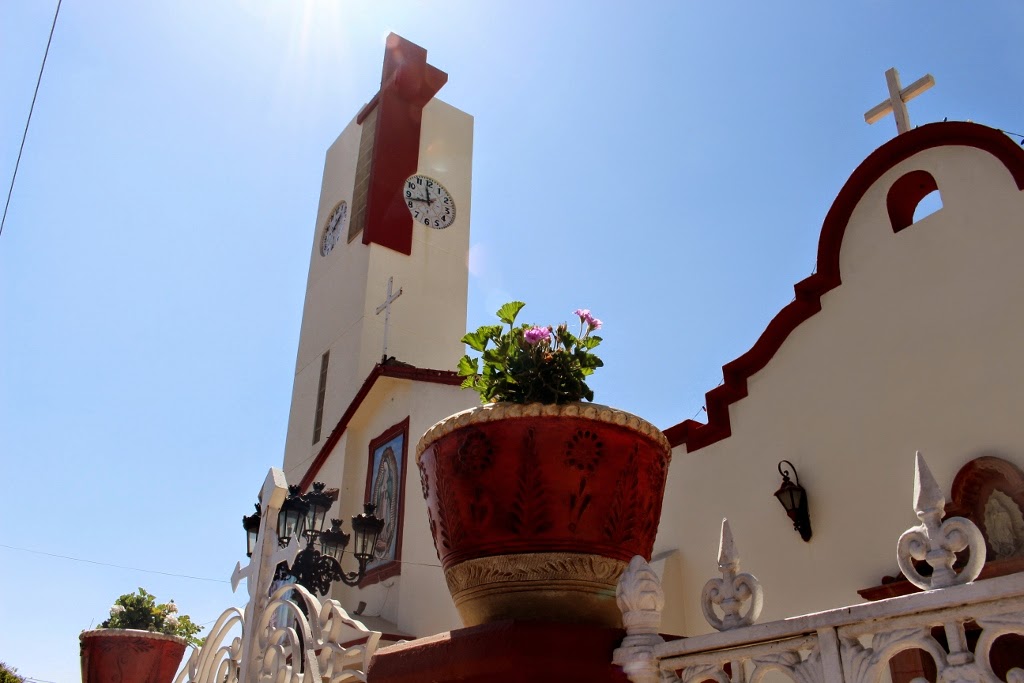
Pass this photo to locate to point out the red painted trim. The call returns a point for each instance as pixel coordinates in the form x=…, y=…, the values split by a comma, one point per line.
x=394, y=568
x=388, y=369
x=407, y=84
x=810, y=290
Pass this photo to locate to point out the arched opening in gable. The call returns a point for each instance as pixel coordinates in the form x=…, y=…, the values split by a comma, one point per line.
x=911, y=198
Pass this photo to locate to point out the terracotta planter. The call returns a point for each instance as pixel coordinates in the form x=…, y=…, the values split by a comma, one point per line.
x=114, y=655
x=536, y=510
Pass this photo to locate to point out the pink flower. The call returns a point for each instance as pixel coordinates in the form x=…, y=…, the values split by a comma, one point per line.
x=585, y=317
x=537, y=334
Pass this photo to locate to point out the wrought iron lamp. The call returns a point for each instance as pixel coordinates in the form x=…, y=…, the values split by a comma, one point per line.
x=794, y=499
x=251, y=524
x=304, y=516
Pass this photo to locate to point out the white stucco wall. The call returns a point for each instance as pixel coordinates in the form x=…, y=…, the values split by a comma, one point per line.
x=918, y=348
x=417, y=600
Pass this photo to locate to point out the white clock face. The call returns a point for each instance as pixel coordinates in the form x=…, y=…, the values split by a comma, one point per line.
x=428, y=202
x=334, y=227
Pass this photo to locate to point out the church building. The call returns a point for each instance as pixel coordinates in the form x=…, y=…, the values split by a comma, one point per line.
x=907, y=337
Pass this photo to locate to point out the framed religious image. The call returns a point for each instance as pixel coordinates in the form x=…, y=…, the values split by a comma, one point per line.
x=385, y=487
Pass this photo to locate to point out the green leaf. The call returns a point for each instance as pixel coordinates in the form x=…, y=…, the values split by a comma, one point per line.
x=493, y=357
x=477, y=340
x=507, y=313
x=592, y=342
x=468, y=367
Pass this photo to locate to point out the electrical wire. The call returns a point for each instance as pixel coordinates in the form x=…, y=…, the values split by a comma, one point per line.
x=116, y=566
x=31, y=108
x=155, y=571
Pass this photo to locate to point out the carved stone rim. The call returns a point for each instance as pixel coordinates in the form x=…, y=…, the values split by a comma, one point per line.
x=505, y=411
x=553, y=568
x=131, y=633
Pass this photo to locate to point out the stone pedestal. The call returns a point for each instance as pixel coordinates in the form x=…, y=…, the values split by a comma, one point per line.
x=504, y=652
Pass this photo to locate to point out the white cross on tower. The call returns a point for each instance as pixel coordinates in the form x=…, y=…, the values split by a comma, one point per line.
x=898, y=98
x=386, y=307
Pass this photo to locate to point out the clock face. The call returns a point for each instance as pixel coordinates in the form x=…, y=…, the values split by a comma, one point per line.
x=428, y=202
x=334, y=227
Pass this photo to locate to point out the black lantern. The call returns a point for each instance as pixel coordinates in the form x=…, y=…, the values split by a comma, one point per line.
x=334, y=542
x=251, y=524
x=303, y=515
x=794, y=499
x=319, y=502
x=292, y=519
x=367, y=527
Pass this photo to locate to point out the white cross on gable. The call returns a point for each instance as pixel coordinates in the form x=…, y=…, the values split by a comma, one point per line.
x=898, y=98
x=386, y=308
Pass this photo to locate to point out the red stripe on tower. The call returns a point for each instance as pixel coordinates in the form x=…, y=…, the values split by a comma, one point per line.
x=407, y=84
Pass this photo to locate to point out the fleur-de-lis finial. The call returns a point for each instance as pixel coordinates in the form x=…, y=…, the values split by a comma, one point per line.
x=731, y=591
x=935, y=541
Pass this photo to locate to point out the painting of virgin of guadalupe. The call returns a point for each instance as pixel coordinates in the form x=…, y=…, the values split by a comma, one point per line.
x=385, y=487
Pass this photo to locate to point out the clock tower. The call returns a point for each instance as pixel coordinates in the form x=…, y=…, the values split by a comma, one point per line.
x=387, y=271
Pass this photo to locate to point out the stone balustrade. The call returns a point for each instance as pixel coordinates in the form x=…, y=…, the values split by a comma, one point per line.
x=850, y=644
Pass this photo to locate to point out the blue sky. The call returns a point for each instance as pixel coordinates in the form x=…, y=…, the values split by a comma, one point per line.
x=667, y=165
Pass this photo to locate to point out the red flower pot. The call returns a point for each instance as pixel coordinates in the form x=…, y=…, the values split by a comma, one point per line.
x=536, y=509
x=114, y=655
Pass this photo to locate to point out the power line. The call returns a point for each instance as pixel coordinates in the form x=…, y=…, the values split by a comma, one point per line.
x=29, y=119
x=155, y=571
x=116, y=566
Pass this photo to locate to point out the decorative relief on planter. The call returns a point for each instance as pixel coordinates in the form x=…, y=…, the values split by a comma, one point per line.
x=536, y=509
x=566, y=587
x=533, y=567
x=529, y=512
x=620, y=525
x=572, y=483
x=475, y=455
x=449, y=522
x=503, y=411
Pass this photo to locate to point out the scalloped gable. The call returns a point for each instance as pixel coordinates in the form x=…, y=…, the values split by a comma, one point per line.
x=876, y=199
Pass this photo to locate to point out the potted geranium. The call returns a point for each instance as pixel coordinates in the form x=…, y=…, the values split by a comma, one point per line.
x=141, y=642
x=536, y=500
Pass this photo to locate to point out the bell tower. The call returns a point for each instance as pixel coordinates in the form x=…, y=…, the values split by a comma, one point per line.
x=387, y=269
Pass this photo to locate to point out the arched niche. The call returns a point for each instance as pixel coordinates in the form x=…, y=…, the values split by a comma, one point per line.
x=904, y=196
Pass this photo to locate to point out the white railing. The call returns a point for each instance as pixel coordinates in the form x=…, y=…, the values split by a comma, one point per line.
x=851, y=644
x=316, y=642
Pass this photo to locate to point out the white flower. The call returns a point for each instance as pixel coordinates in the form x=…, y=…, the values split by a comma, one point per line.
x=171, y=608
x=116, y=609
x=171, y=621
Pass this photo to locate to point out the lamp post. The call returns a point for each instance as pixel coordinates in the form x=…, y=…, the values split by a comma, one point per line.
x=303, y=516
x=794, y=499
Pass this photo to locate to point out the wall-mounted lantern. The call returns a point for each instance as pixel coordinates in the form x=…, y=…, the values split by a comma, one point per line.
x=794, y=499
